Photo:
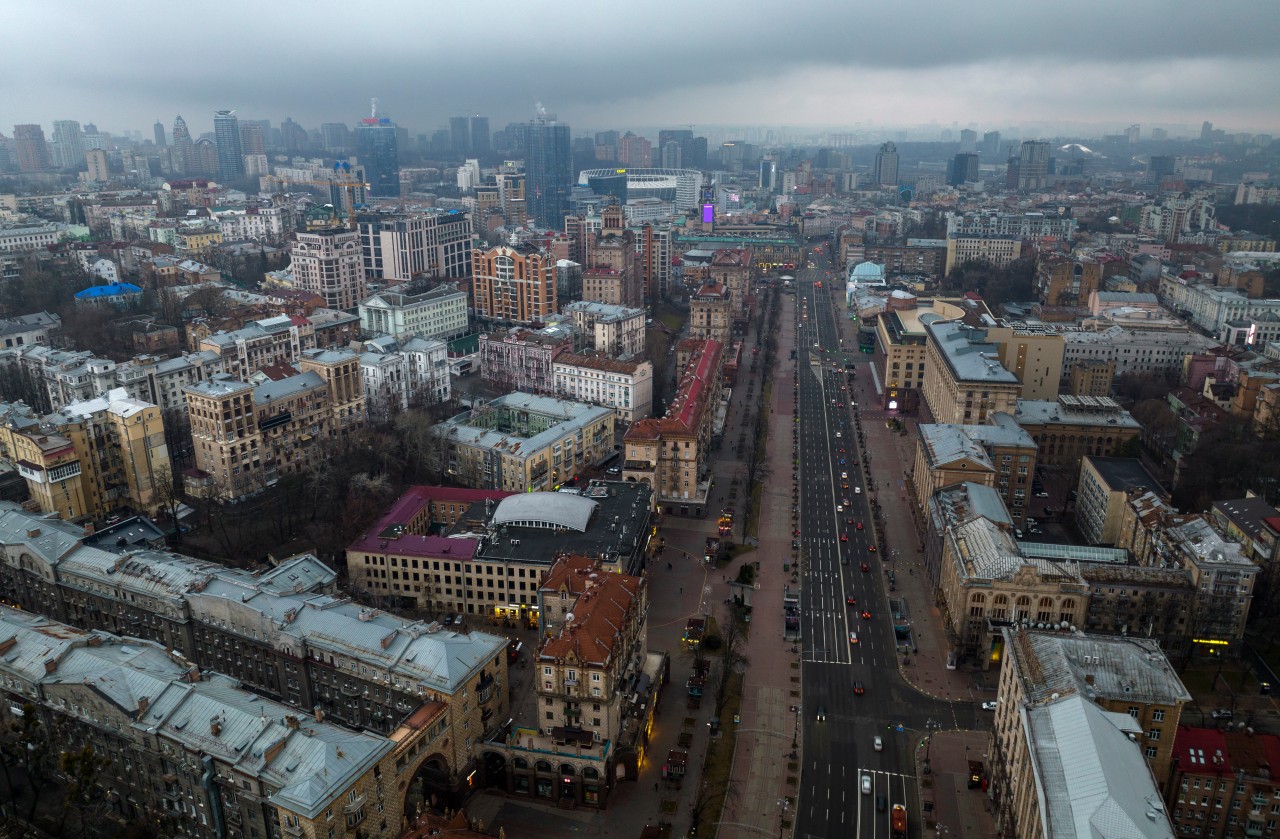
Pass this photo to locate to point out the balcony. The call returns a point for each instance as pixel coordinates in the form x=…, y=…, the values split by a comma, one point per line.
x=351, y=689
x=293, y=829
x=354, y=806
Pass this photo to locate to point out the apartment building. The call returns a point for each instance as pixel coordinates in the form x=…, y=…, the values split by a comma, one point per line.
x=518, y=359
x=261, y=343
x=611, y=274
x=624, y=386
x=1134, y=350
x=33, y=329
x=396, y=375
x=1105, y=486
x=901, y=340
x=964, y=381
x=329, y=263
x=1000, y=455
x=1083, y=725
x=283, y=633
x=522, y=442
x=515, y=283
x=1071, y=427
x=669, y=453
x=994, y=249
x=615, y=331
x=162, y=728
x=1069, y=281
x=1222, y=783
x=247, y=436
x=711, y=313
x=270, y=224
x=403, y=247
x=438, y=313
x=1091, y=377
x=1033, y=356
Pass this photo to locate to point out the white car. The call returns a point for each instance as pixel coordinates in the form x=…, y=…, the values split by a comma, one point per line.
x=839, y=508
x=988, y=706
x=844, y=475
x=879, y=744
x=857, y=490
x=837, y=435
x=866, y=784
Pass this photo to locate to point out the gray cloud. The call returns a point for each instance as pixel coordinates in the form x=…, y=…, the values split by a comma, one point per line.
x=823, y=62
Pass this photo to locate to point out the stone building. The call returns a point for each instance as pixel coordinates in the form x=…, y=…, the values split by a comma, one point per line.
x=964, y=380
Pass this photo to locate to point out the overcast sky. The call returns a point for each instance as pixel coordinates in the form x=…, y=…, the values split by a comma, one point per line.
x=597, y=65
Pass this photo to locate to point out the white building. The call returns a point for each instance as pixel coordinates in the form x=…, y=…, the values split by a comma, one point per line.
x=625, y=386
x=401, y=247
x=105, y=269
x=28, y=330
x=1133, y=350
x=13, y=239
x=438, y=313
x=397, y=376
x=616, y=331
x=262, y=224
x=1210, y=307
x=329, y=263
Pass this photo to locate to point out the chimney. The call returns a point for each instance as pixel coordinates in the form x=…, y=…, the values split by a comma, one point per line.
x=318, y=713
x=1088, y=679
x=143, y=704
x=291, y=722
x=50, y=665
x=33, y=533
x=215, y=727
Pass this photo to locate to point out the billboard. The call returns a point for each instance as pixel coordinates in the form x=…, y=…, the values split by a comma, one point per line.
x=708, y=213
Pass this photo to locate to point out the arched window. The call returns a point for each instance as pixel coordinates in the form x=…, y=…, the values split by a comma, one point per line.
x=521, y=763
x=544, y=766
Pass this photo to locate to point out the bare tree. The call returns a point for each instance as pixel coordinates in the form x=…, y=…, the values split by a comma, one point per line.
x=169, y=495
x=733, y=655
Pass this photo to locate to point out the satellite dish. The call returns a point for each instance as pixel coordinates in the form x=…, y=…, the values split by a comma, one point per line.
x=568, y=618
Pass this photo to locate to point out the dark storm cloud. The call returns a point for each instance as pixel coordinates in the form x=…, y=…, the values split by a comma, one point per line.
x=125, y=65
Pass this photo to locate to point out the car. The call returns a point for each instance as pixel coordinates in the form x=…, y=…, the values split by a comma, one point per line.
x=849, y=520
x=839, y=508
x=844, y=537
x=1041, y=494
x=844, y=485
x=858, y=526
x=866, y=614
x=878, y=743
x=448, y=620
x=837, y=433
x=842, y=463
x=1018, y=533
x=881, y=803
x=1222, y=714
x=857, y=688
x=871, y=548
x=851, y=601
x=853, y=638
x=857, y=490
x=821, y=715
x=795, y=544
x=866, y=567
x=866, y=784
x=844, y=475
x=988, y=706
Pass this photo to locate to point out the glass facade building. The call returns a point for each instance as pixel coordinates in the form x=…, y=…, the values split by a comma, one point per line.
x=377, y=151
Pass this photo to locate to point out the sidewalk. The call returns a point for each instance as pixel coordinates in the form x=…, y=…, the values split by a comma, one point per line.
x=950, y=806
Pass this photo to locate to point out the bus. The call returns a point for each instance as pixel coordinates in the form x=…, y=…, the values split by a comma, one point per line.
x=898, y=822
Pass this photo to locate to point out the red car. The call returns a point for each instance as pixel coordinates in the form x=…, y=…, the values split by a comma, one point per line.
x=866, y=616
x=871, y=548
x=851, y=601
x=859, y=525
x=866, y=567
x=858, y=689
x=844, y=537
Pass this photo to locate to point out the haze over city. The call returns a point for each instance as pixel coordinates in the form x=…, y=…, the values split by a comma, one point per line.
x=1055, y=68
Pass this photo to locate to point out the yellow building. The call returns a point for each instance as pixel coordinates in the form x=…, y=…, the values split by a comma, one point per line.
x=965, y=382
x=516, y=284
x=1033, y=356
x=901, y=339
x=117, y=453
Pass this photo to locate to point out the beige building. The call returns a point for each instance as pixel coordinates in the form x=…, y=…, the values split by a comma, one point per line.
x=994, y=249
x=513, y=283
x=616, y=331
x=901, y=340
x=1083, y=725
x=624, y=386
x=329, y=263
x=92, y=458
x=247, y=436
x=1033, y=356
x=711, y=313
x=1103, y=492
x=965, y=382
x=1000, y=455
x=984, y=580
x=1091, y=377
x=525, y=443
x=1071, y=427
x=1068, y=280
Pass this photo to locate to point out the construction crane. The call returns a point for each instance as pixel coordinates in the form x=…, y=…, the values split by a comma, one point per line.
x=344, y=178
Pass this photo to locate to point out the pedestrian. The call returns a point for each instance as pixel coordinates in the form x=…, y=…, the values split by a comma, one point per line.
x=682, y=589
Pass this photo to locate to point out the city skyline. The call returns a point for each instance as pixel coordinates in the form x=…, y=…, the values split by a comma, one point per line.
x=987, y=66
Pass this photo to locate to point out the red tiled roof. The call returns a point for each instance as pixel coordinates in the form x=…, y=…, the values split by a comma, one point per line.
x=599, y=611
x=1212, y=751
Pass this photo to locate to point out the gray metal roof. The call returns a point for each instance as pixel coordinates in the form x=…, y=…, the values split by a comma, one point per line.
x=967, y=353
x=1045, y=412
x=1091, y=779
x=546, y=509
x=949, y=443
x=1098, y=665
x=270, y=391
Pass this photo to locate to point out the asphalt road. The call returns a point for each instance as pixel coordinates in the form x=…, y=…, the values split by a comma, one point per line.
x=840, y=645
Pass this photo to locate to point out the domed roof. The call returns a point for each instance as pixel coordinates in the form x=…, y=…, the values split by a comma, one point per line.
x=868, y=270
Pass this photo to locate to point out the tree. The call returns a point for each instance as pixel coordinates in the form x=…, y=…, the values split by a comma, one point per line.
x=733, y=656
x=29, y=749
x=81, y=768
x=169, y=495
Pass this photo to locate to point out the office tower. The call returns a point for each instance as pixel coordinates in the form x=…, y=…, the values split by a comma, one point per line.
x=671, y=154
x=252, y=139
x=330, y=263
x=1206, y=131
x=334, y=136
x=68, y=144
x=293, y=137
x=204, y=153
x=459, y=135
x=886, y=170
x=378, y=151
x=968, y=140
x=97, y=163
x=548, y=167
x=157, y=131
x=991, y=144
x=1159, y=135
x=30, y=148
x=1133, y=134
x=607, y=138
x=768, y=175
x=1033, y=165
x=964, y=168
x=226, y=133
x=635, y=151
x=1161, y=166
x=183, y=151
x=479, y=136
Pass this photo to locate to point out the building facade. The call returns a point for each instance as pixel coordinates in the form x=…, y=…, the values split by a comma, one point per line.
x=438, y=313
x=329, y=263
x=964, y=381
x=616, y=331
x=513, y=284
x=624, y=386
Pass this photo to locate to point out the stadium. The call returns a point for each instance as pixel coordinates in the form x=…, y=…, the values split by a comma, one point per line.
x=680, y=186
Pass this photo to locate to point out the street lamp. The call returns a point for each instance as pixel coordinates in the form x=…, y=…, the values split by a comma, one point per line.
x=930, y=726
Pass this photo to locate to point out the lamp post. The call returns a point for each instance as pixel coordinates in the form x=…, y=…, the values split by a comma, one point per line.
x=930, y=726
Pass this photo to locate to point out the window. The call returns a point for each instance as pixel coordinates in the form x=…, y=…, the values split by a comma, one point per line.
x=1157, y=716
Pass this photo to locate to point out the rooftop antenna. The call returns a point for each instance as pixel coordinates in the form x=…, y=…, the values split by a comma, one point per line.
x=373, y=107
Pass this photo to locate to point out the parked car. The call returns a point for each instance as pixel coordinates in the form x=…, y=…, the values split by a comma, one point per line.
x=1222, y=714
x=878, y=743
x=866, y=784
x=988, y=706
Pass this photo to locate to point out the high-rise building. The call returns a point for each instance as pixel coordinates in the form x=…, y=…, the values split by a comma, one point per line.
x=68, y=144
x=293, y=136
x=96, y=159
x=479, y=136
x=672, y=154
x=459, y=135
x=378, y=152
x=30, y=148
x=768, y=174
x=635, y=151
x=334, y=136
x=968, y=140
x=548, y=167
x=401, y=247
x=157, y=131
x=991, y=144
x=1033, y=165
x=183, y=150
x=515, y=284
x=964, y=168
x=1206, y=131
x=330, y=263
x=252, y=138
x=886, y=171
x=1133, y=134
x=226, y=133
